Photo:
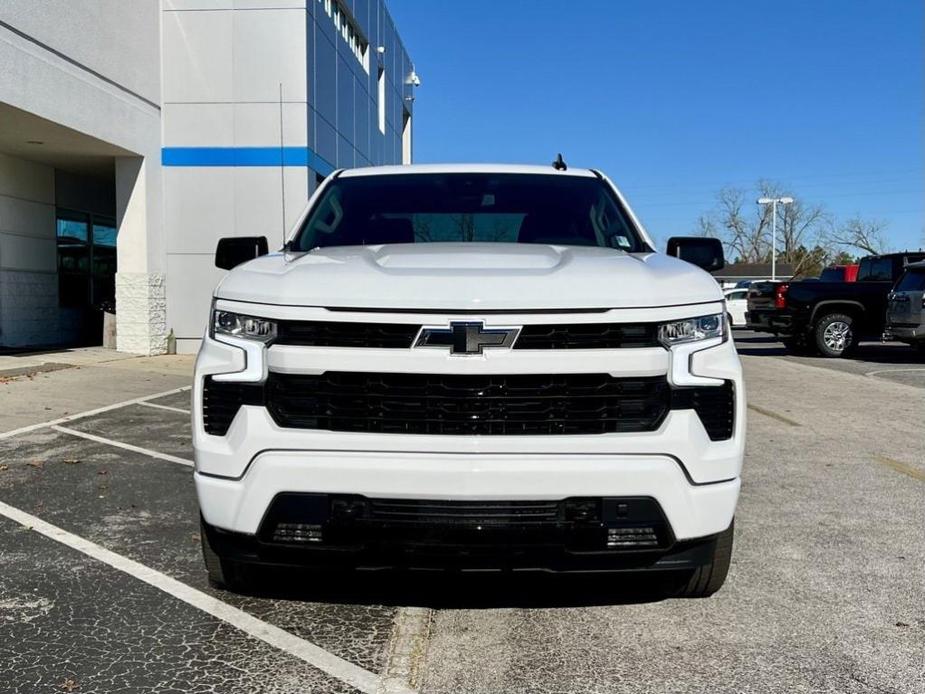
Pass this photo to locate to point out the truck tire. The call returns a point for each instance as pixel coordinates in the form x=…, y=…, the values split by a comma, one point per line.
x=709, y=578
x=223, y=573
x=834, y=335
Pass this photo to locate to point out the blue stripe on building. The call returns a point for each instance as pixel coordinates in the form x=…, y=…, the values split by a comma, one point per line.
x=245, y=156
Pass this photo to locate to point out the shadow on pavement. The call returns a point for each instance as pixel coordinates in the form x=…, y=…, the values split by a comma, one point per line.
x=765, y=345
x=472, y=590
x=762, y=351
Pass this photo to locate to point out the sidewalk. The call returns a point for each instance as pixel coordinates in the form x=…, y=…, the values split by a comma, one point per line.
x=41, y=386
x=53, y=360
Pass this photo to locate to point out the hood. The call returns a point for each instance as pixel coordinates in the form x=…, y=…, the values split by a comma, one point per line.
x=469, y=276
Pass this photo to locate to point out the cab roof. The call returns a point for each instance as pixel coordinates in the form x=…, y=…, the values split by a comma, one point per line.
x=463, y=169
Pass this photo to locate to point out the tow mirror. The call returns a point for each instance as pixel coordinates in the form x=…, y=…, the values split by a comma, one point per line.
x=234, y=250
x=705, y=253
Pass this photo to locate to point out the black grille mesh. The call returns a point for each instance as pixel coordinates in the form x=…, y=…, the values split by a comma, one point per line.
x=715, y=405
x=457, y=404
x=587, y=336
x=221, y=402
x=398, y=511
x=463, y=404
x=333, y=334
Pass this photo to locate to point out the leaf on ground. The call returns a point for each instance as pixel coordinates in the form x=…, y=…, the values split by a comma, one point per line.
x=4, y=467
x=36, y=463
x=69, y=685
x=71, y=461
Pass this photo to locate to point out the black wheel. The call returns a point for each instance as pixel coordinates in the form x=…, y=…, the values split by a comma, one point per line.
x=223, y=573
x=834, y=335
x=709, y=578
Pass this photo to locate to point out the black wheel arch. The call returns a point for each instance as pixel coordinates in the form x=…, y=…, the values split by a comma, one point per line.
x=855, y=309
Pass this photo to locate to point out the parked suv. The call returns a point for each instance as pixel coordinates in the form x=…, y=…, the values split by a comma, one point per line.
x=474, y=367
x=905, y=318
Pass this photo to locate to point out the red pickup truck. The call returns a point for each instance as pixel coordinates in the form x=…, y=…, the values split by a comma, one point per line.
x=840, y=273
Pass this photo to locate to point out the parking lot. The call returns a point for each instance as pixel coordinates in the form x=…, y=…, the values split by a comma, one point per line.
x=102, y=587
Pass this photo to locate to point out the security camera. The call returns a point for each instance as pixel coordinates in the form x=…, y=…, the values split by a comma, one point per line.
x=414, y=79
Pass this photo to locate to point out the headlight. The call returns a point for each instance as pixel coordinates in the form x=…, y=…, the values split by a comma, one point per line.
x=247, y=327
x=692, y=329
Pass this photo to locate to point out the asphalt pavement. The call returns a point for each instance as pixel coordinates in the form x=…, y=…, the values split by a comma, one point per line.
x=102, y=587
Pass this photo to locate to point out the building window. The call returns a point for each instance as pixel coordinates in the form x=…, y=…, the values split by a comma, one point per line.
x=86, y=259
x=380, y=79
x=348, y=29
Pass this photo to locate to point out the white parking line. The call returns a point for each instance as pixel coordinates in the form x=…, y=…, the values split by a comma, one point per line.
x=88, y=413
x=317, y=657
x=888, y=371
x=165, y=407
x=126, y=446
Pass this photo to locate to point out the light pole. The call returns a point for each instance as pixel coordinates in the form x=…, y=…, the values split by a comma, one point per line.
x=773, y=202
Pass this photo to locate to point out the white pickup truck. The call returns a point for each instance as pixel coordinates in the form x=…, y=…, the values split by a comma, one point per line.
x=469, y=367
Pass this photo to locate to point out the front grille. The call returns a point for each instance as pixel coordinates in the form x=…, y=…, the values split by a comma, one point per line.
x=479, y=513
x=519, y=404
x=469, y=405
x=588, y=336
x=334, y=334
x=221, y=402
x=401, y=335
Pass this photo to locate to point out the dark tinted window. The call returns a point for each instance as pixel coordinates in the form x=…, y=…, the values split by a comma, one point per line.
x=912, y=281
x=876, y=270
x=86, y=259
x=832, y=274
x=504, y=208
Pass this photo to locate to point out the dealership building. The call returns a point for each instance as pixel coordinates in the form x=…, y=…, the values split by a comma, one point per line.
x=135, y=134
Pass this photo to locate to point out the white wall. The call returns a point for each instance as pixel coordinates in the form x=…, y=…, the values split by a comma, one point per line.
x=224, y=62
x=28, y=254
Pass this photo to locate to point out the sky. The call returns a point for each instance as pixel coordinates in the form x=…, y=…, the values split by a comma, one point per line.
x=676, y=99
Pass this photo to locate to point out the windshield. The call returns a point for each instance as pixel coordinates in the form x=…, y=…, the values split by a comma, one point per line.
x=504, y=208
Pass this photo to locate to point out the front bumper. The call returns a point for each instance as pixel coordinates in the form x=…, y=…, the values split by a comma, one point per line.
x=692, y=510
x=569, y=545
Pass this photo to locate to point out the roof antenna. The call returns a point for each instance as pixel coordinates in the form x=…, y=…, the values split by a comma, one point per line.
x=559, y=164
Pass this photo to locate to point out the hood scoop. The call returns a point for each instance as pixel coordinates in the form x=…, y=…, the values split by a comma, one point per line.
x=470, y=256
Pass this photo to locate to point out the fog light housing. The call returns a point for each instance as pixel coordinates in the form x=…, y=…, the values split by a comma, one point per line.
x=297, y=532
x=632, y=537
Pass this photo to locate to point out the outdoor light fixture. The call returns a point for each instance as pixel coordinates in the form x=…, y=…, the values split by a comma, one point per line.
x=774, y=202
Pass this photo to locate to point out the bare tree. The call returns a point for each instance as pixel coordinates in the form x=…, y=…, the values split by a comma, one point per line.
x=746, y=228
x=859, y=234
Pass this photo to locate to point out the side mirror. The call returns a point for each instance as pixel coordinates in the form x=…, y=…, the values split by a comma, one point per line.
x=234, y=250
x=705, y=253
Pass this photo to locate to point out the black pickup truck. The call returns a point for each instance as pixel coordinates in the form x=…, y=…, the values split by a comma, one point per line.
x=830, y=317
